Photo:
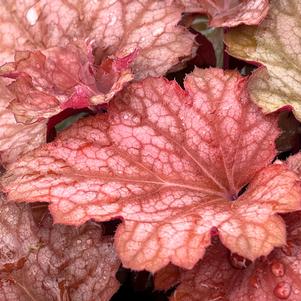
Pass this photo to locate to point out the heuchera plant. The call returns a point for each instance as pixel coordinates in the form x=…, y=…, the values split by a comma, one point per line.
x=203, y=184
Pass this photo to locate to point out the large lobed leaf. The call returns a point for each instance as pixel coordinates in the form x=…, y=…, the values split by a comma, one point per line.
x=276, y=44
x=171, y=163
x=46, y=262
x=229, y=12
x=227, y=277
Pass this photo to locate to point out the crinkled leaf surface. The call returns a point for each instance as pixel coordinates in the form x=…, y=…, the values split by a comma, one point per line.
x=171, y=163
x=225, y=277
x=276, y=44
x=49, y=262
x=118, y=27
x=16, y=138
x=229, y=12
x=62, y=77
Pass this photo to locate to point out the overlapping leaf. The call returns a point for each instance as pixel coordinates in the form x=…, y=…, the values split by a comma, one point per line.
x=62, y=77
x=228, y=277
x=118, y=28
x=16, y=138
x=53, y=70
x=171, y=163
x=225, y=277
x=53, y=262
x=276, y=44
x=229, y=12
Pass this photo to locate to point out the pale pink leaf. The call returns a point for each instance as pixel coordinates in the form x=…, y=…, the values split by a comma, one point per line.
x=118, y=28
x=171, y=163
x=47, y=262
x=16, y=138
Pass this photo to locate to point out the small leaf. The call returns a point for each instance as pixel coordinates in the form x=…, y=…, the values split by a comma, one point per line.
x=229, y=13
x=172, y=164
x=275, y=44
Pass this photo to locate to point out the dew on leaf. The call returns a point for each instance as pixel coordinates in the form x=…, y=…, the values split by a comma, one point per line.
x=125, y=116
x=254, y=281
x=136, y=119
x=32, y=16
x=158, y=31
x=277, y=269
x=282, y=290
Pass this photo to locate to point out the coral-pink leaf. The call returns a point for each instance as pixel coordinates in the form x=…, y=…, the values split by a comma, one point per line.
x=53, y=262
x=276, y=277
x=171, y=163
x=60, y=78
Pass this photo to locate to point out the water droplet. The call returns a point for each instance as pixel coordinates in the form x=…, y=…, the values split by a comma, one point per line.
x=277, y=269
x=113, y=20
x=136, y=119
x=254, y=281
x=32, y=16
x=158, y=31
x=126, y=116
x=282, y=290
x=78, y=241
x=89, y=241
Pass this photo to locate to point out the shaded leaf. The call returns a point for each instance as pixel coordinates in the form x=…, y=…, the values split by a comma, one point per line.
x=290, y=138
x=229, y=12
x=276, y=277
x=172, y=170
x=53, y=262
